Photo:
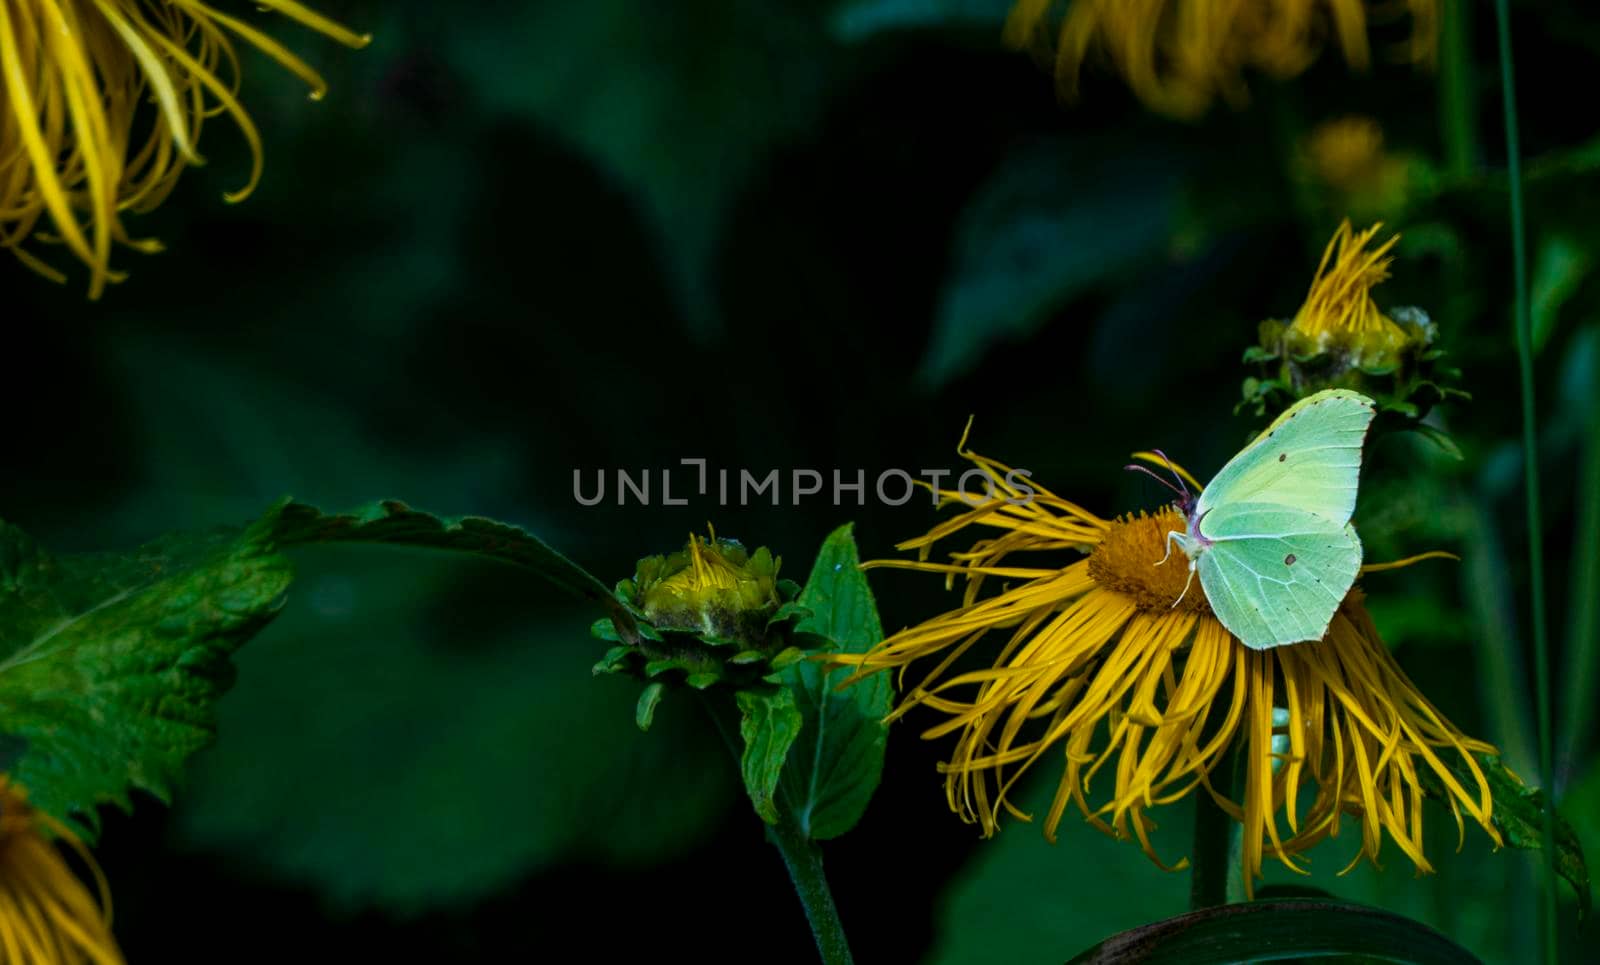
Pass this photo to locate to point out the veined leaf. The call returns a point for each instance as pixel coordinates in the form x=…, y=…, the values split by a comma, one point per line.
x=834, y=767
x=110, y=664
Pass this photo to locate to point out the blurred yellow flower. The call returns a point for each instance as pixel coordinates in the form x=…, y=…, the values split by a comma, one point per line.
x=47, y=916
x=1101, y=673
x=1347, y=167
x=102, y=109
x=1179, y=56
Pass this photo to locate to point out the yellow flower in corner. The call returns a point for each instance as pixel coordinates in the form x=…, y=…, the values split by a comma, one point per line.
x=101, y=107
x=47, y=915
x=1138, y=701
x=1179, y=56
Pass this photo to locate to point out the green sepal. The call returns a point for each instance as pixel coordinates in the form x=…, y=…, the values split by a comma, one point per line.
x=616, y=660
x=787, y=657
x=788, y=612
x=769, y=722
x=649, y=697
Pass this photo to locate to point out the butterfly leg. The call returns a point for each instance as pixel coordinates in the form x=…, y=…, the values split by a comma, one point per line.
x=1186, y=584
x=1172, y=536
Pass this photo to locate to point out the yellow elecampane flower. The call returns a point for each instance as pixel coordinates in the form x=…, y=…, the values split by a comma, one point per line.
x=1179, y=56
x=47, y=915
x=1138, y=700
x=101, y=108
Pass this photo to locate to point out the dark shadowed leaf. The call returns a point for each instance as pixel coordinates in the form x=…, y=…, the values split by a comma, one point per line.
x=409, y=735
x=1290, y=929
x=858, y=20
x=1518, y=811
x=1056, y=219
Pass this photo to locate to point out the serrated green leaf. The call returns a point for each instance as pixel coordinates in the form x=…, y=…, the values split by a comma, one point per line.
x=769, y=723
x=393, y=523
x=1303, y=928
x=110, y=664
x=1518, y=811
x=835, y=766
x=649, y=697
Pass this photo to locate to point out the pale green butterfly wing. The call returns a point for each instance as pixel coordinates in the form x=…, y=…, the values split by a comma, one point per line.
x=1308, y=459
x=1275, y=575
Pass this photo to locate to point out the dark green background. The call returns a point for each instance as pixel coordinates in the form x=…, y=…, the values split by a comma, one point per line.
x=520, y=239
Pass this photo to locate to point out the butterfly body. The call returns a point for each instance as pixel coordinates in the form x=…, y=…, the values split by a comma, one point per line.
x=1270, y=536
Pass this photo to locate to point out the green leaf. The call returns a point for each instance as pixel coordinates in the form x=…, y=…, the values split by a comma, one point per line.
x=769, y=724
x=837, y=762
x=1518, y=814
x=1053, y=221
x=864, y=19
x=394, y=523
x=111, y=664
x=1275, y=930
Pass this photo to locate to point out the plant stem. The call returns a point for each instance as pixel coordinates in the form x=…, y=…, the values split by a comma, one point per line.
x=804, y=860
x=1215, y=832
x=801, y=856
x=1457, y=104
x=1530, y=462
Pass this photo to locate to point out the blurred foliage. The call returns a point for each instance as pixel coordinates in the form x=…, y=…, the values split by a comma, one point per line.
x=519, y=239
x=387, y=745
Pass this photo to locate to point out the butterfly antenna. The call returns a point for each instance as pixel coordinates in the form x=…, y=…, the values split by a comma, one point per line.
x=1182, y=487
x=1182, y=493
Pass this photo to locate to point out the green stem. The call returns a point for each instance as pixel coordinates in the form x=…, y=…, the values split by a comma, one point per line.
x=804, y=860
x=1457, y=105
x=1530, y=462
x=1214, y=854
x=801, y=856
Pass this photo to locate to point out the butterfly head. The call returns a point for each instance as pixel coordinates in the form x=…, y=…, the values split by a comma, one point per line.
x=1185, y=503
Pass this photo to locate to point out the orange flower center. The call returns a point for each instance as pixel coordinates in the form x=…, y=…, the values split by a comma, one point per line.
x=1128, y=561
